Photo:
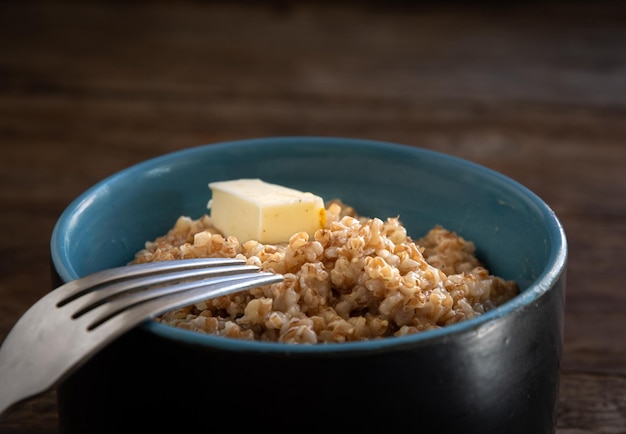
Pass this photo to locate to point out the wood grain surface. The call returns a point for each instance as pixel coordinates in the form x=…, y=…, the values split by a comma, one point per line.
x=536, y=91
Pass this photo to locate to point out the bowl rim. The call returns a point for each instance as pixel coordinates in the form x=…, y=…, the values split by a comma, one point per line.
x=556, y=263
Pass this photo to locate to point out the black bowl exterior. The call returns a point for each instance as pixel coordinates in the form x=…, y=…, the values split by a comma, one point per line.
x=502, y=377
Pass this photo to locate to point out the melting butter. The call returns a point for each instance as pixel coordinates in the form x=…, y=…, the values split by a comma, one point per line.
x=252, y=209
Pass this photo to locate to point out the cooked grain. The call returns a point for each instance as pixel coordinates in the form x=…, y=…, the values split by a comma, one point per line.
x=356, y=279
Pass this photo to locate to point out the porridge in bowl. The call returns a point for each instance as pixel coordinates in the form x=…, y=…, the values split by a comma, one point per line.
x=354, y=278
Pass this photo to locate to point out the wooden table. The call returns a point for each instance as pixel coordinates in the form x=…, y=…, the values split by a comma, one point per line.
x=535, y=92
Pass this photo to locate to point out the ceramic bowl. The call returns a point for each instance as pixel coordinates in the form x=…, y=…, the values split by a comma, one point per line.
x=496, y=373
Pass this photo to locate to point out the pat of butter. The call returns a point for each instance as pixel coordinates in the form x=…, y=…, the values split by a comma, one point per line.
x=251, y=209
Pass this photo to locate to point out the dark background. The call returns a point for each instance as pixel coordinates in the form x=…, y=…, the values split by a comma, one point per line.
x=535, y=90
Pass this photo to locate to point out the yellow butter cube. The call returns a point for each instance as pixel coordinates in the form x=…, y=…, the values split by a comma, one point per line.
x=251, y=209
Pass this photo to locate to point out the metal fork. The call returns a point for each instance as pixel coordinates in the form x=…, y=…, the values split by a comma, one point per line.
x=70, y=324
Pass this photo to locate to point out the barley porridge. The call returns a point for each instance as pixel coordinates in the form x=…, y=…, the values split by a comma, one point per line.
x=358, y=278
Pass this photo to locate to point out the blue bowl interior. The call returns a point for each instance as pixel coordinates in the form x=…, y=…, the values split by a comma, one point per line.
x=516, y=233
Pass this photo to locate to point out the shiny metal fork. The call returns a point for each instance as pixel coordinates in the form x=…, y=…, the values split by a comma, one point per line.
x=70, y=324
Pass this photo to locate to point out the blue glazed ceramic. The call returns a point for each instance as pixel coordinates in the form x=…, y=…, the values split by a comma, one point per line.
x=493, y=374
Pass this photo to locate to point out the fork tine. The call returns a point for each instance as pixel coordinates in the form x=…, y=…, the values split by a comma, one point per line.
x=75, y=288
x=212, y=287
x=86, y=302
x=111, y=319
